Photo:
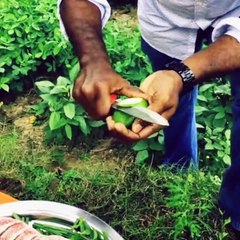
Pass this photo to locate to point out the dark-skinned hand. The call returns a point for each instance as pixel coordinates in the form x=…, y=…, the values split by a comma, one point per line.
x=94, y=87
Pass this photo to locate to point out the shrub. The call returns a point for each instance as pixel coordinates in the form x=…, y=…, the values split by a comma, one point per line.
x=30, y=38
x=65, y=117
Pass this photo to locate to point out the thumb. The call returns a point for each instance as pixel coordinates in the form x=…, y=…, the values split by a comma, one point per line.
x=131, y=91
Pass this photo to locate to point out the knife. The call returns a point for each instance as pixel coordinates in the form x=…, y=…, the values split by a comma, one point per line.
x=142, y=113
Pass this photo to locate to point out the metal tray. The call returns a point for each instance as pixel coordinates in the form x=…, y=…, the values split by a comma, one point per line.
x=57, y=210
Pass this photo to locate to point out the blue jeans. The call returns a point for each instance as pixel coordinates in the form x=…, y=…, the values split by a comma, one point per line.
x=181, y=136
x=229, y=197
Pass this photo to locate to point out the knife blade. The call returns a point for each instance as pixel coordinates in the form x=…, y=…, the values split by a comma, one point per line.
x=144, y=114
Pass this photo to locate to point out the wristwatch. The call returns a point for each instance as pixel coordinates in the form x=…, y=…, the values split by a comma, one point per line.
x=184, y=72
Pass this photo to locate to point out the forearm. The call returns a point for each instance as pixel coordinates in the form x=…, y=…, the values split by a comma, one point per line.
x=82, y=21
x=220, y=58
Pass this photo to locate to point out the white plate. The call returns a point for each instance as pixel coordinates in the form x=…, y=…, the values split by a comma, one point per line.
x=57, y=210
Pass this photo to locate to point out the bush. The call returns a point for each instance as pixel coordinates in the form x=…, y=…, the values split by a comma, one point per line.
x=32, y=46
x=66, y=118
x=30, y=38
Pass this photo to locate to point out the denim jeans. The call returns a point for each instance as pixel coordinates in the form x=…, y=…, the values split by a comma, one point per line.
x=180, y=138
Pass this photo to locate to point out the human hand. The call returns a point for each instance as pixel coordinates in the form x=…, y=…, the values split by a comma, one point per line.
x=163, y=88
x=94, y=87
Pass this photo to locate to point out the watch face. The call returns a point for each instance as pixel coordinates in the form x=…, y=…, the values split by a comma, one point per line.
x=188, y=76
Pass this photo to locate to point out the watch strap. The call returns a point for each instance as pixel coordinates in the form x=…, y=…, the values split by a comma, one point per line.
x=184, y=72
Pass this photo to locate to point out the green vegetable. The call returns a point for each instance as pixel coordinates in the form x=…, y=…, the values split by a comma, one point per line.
x=122, y=117
x=125, y=118
x=132, y=102
x=80, y=230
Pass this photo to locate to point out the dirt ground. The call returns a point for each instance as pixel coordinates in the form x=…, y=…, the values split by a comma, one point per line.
x=104, y=155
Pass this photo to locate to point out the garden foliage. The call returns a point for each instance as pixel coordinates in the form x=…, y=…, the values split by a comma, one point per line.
x=31, y=43
x=175, y=206
x=32, y=46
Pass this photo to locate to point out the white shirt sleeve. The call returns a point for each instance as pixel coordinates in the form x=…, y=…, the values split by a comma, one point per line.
x=228, y=24
x=103, y=6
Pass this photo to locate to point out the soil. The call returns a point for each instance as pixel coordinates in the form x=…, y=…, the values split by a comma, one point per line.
x=18, y=114
x=126, y=15
x=104, y=155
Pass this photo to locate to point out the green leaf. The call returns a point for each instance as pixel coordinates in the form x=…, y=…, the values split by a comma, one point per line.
x=219, y=123
x=83, y=125
x=62, y=81
x=218, y=109
x=220, y=115
x=155, y=146
x=69, y=110
x=141, y=145
x=202, y=98
x=74, y=72
x=68, y=131
x=46, y=97
x=205, y=87
x=141, y=157
x=218, y=146
x=96, y=124
x=58, y=90
x=154, y=135
x=199, y=126
x=44, y=84
x=200, y=109
x=35, y=26
x=209, y=146
x=227, y=159
x=228, y=133
x=161, y=139
x=5, y=87
x=54, y=120
x=56, y=49
x=38, y=55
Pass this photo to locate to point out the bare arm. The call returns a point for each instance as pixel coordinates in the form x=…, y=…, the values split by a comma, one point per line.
x=98, y=80
x=221, y=57
x=164, y=87
x=82, y=21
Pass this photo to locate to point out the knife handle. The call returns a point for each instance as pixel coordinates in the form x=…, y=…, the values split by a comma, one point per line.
x=113, y=98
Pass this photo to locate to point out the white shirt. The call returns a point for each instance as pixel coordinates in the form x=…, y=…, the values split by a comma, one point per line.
x=171, y=26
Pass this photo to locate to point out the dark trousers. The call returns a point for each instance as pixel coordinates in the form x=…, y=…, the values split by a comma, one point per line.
x=180, y=138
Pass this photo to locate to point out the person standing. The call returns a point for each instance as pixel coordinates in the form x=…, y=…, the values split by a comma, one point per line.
x=171, y=37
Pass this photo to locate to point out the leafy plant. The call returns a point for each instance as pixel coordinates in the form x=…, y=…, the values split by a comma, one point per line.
x=189, y=195
x=126, y=56
x=65, y=117
x=214, y=119
x=146, y=148
x=32, y=45
x=30, y=40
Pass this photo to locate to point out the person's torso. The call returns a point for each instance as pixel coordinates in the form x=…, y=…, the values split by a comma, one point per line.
x=168, y=24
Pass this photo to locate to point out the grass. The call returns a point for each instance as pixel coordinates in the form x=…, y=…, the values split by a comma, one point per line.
x=139, y=202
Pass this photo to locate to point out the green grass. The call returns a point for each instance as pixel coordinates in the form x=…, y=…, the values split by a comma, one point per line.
x=139, y=202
